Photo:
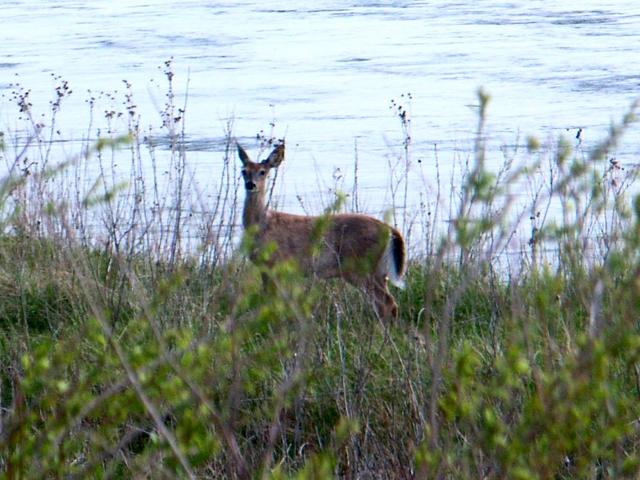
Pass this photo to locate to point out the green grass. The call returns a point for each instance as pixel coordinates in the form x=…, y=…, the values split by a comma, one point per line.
x=301, y=379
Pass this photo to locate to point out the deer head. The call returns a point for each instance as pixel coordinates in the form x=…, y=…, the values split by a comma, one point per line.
x=255, y=174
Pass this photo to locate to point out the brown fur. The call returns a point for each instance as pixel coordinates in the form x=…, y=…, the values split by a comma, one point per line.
x=348, y=246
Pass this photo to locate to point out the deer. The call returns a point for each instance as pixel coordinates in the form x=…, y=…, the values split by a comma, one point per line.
x=357, y=248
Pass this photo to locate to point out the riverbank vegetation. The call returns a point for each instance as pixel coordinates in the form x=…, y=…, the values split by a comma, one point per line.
x=137, y=341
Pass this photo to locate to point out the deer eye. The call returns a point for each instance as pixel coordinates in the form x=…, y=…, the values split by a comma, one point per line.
x=263, y=173
x=243, y=172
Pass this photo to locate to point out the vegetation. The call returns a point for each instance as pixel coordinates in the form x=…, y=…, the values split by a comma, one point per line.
x=131, y=349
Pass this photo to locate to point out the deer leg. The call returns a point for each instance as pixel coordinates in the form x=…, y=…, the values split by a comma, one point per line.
x=383, y=302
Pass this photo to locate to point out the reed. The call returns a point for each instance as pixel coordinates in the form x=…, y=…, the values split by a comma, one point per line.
x=136, y=340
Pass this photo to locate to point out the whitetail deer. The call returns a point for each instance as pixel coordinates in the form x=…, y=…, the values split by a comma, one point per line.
x=357, y=248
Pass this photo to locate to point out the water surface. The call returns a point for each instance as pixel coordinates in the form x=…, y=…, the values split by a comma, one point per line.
x=325, y=74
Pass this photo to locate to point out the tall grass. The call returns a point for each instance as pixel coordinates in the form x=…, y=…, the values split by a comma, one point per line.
x=136, y=341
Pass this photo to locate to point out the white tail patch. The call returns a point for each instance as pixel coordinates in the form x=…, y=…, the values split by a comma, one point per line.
x=388, y=266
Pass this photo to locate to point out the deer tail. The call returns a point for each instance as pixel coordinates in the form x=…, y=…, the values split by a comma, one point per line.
x=395, y=259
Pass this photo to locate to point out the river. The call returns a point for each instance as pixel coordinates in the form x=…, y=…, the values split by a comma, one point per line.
x=327, y=74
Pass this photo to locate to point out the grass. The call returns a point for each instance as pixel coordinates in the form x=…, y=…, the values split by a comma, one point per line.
x=130, y=347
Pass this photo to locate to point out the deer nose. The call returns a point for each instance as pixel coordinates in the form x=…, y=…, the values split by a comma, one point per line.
x=250, y=185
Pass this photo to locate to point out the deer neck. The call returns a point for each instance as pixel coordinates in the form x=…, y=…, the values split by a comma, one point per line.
x=255, y=210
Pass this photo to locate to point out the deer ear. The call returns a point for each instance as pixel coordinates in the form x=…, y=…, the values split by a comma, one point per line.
x=276, y=157
x=244, y=158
